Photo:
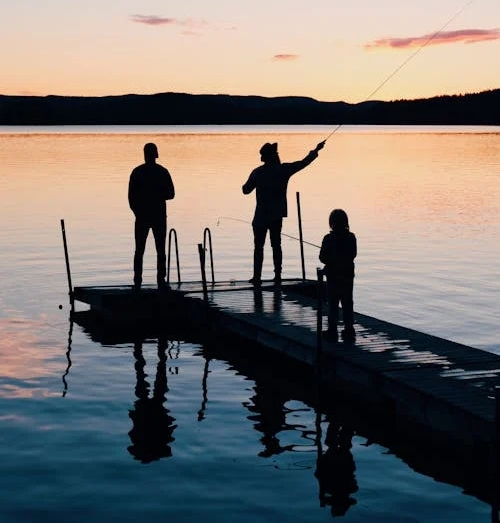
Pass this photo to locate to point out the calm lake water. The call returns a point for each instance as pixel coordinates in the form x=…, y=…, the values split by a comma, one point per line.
x=230, y=441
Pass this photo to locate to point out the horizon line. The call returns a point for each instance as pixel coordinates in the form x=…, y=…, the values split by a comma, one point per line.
x=26, y=95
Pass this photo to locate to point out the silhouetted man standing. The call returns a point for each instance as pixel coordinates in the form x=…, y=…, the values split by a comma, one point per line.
x=270, y=181
x=149, y=187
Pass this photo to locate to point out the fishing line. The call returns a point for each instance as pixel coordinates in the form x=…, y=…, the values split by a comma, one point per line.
x=432, y=37
x=250, y=223
x=404, y=62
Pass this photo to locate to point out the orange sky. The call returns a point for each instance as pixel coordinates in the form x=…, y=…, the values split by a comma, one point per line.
x=327, y=50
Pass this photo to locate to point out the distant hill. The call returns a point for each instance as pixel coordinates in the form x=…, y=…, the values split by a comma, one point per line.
x=179, y=108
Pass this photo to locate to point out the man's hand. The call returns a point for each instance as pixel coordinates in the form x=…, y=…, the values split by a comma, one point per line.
x=320, y=146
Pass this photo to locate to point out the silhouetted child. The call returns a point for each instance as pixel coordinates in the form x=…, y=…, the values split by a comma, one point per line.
x=338, y=250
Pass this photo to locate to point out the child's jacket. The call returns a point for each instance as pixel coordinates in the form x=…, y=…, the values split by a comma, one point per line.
x=338, y=251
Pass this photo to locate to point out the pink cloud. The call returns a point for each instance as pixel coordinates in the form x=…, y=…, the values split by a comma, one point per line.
x=189, y=26
x=285, y=57
x=153, y=20
x=466, y=36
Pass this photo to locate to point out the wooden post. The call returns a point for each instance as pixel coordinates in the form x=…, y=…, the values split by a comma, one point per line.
x=494, y=514
x=496, y=489
x=68, y=271
x=497, y=416
x=319, y=317
x=208, y=234
x=301, y=238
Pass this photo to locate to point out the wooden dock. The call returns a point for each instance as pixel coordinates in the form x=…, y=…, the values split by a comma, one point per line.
x=447, y=389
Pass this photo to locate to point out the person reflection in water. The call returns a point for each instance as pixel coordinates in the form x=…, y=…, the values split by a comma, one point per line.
x=258, y=300
x=335, y=470
x=270, y=418
x=153, y=427
x=150, y=185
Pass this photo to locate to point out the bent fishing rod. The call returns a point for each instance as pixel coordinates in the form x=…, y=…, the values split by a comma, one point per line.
x=250, y=223
x=432, y=37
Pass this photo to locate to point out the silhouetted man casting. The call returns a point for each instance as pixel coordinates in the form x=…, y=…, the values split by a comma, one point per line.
x=270, y=182
x=150, y=185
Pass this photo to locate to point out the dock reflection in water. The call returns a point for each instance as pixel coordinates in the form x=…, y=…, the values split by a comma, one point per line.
x=289, y=415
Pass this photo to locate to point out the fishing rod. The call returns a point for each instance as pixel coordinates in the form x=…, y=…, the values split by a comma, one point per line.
x=432, y=37
x=250, y=223
x=409, y=58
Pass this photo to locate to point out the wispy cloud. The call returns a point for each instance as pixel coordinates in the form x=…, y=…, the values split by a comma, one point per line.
x=189, y=26
x=466, y=36
x=163, y=20
x=285, y=57
x=152, y=20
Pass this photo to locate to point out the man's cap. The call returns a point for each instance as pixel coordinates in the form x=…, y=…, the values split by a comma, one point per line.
x=151, y=150
x=268, y=149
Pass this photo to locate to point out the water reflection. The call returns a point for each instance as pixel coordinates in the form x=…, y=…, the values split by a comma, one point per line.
x=204, y=387
x=153, y=426
x=68, y=358
x=286, y=408
x=271, y=413
x=335, y=468
x=270, y=418
x=261, y=307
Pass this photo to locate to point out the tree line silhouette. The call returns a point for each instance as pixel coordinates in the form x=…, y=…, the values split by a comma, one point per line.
x=481, y=108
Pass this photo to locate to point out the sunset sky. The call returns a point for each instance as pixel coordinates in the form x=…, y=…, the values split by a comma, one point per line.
x=327, y=49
